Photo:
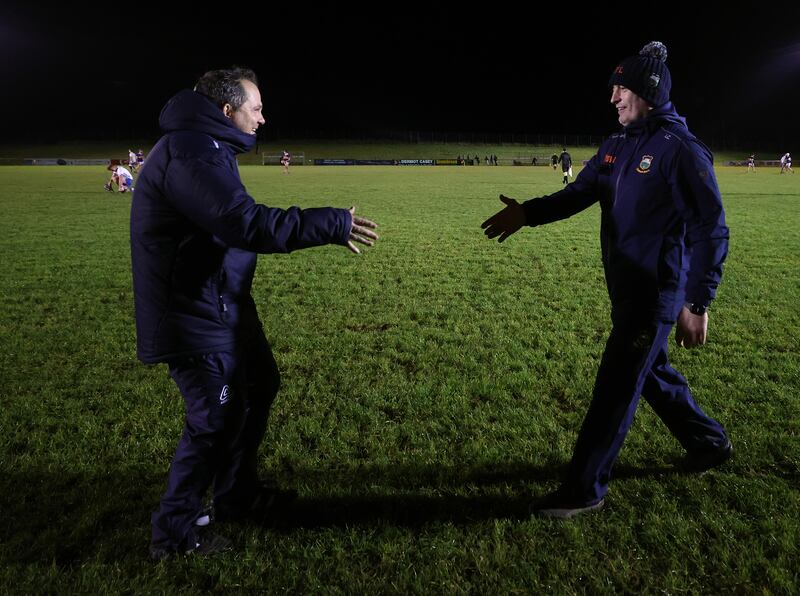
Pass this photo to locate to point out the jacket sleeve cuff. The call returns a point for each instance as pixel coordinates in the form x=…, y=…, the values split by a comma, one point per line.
x=347, y=226
x=699, y=297
x=531, y=209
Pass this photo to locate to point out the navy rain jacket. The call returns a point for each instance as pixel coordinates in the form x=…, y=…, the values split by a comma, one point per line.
x=195, y=233
x=663, y=235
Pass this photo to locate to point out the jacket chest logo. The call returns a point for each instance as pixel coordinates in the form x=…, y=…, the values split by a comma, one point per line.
x=644, y=164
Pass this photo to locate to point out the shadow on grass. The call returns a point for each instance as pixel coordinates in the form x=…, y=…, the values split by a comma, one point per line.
x=457, y=496
x=67, y=518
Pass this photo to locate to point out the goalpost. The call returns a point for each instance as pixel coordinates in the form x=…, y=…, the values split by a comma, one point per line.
x=298, y=159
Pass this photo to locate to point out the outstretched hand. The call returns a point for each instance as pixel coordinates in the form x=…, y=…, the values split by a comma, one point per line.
x=505, y=222
x=361, y=231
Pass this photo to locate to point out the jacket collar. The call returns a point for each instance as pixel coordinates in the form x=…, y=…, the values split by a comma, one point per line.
x=188, y=110
x=656, y=119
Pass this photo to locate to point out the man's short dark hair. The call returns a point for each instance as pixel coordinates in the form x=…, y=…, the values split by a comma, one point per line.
x=225, y=85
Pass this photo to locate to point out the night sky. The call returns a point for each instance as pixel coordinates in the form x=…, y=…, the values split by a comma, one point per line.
x=72, y=72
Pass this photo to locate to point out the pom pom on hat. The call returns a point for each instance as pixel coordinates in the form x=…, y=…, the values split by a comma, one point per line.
x=654, y=49
x=646, y=75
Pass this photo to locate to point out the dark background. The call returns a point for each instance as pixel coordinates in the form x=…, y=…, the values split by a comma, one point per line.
x=354, y=71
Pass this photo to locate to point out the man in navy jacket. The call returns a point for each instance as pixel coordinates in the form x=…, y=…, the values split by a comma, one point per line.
x=195, y=235
x=663, y=243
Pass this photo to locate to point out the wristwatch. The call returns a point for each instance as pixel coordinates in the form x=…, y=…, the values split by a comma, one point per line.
x=697, y=309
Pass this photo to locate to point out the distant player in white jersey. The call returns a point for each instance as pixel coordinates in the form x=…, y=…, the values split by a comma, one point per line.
x=121, y=177
x=786, y=163
x=285, y=161
x=132, y=160
x=751, y=163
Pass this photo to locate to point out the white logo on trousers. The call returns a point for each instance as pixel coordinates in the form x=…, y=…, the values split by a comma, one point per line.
x=224, y=395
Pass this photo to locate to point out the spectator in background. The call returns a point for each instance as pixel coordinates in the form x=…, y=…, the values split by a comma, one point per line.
x=195, y=238
x=751, y=163
x=565, y=159
x=554, y=161
x=664, y=242
x=486, y=157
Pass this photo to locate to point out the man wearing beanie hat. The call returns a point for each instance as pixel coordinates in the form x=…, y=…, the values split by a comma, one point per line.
x=664, y=241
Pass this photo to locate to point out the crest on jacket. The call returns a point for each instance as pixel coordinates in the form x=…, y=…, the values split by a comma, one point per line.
x=644, y=164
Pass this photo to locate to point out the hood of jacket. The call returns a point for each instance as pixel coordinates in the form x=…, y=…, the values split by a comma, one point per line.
x=190, y=111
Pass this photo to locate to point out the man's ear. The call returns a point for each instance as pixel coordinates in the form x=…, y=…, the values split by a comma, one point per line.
x=227, y=110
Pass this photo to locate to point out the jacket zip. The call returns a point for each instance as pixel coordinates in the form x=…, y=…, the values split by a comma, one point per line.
x=223, y=308
x=624, y=168
x=622, y=171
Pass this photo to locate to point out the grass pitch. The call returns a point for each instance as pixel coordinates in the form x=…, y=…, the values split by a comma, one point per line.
x=431, y=386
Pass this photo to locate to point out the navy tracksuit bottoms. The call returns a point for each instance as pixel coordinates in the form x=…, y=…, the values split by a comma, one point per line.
x=227, y=397
x=634, y=364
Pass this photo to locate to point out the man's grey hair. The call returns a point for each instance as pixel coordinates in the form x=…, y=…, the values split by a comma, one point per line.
x=225, y=85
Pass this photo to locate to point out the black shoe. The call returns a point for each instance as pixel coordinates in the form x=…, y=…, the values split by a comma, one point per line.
x=204, y=543
x=209, y=543
x=704, y=460
x=560, y=505
x=268, y=503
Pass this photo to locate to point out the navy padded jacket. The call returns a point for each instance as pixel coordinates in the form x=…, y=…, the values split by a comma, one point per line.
x=195, y=235
x=663, y=233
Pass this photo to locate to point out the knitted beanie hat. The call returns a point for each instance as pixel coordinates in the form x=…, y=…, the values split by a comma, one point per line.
x=646, y=75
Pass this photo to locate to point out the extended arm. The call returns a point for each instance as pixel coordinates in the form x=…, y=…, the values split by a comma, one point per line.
x=574, y=198
x=215, y=200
